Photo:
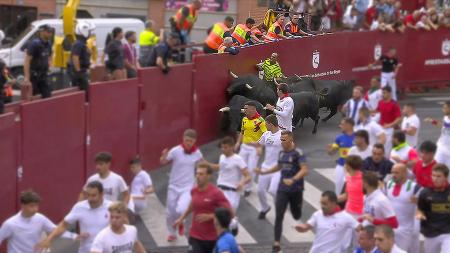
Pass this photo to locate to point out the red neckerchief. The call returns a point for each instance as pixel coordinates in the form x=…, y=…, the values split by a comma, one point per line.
x=397, y=189
x=285, y=95
x=189, y=151
x=255, y=116
x=336, y=210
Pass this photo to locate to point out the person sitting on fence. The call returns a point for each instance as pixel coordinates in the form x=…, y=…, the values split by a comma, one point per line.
x=228, y=47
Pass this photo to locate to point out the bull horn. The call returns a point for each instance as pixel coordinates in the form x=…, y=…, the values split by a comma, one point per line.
x=224, y=109
x=275, y=81
x=233, y=74
x=299, y=78
x=242, y=110
x=248, y=86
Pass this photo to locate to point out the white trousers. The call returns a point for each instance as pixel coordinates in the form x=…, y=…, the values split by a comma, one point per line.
x=339, y=179
x=139, y=203
x=178, y=201
x=408, y=240
x=388, y=78
x=389, y=132
x=267, y=183
x=233, y=197
x=438, y=244
x=250, y=156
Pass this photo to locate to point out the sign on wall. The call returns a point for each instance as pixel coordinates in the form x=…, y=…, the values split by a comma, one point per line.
x=208, y=5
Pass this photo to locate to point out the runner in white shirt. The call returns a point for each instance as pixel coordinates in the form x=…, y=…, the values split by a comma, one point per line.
x=233, y=172
x=403, y=194
x=23, y=231
x=353, y=105
x=284, y=108
x=141, y=186
x=183, y=159
x=402, y=152
x=410, y=124
x=270, y=140
x=377, y=207
x=385, y=240
x=328, y=225
x=114, y=186
x=91, y=215
x=373, y=97
x=443, y=150
x=117, y=237
x=233, y=176
x=361, y=148
x=376, y=132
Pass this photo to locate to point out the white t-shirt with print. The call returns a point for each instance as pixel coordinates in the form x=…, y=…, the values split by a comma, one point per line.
x=107, y=241
x=329, y=231
x=90, y=220
x=113, y=185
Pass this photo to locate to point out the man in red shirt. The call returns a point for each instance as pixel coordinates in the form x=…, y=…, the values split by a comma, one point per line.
x=371, y=14
x=412, y=19
x=390, y=116
x=205, y=199
x=425, y=165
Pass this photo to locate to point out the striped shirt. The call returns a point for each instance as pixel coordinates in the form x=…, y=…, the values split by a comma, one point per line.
x=271, y=71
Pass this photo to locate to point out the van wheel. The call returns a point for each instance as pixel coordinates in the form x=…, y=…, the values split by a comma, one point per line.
x=18, y=74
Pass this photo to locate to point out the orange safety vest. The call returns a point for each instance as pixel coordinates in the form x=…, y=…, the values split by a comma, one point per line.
x=240, y=33
x=221, y=49
x=215, y=37
x=294, y=27
x=271, y=33
x=188, y=21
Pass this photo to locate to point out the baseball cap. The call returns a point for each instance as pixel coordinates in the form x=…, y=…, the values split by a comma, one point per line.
x=46, y=28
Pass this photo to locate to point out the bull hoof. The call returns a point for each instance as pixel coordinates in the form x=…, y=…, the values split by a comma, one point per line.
x=324, y=120
x=314, y=132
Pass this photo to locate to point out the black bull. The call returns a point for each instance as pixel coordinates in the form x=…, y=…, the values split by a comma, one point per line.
x=331, y=94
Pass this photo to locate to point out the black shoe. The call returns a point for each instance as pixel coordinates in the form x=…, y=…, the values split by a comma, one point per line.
x=276, y=249
x=234, y=231
x=247, y=193
x=262, y=214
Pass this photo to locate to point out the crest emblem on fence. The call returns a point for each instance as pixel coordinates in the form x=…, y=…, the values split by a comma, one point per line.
x=445, y=47
x=377, y=52
x=315, y=59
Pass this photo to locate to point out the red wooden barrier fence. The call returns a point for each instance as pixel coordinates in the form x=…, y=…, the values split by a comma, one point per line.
x=56, y=139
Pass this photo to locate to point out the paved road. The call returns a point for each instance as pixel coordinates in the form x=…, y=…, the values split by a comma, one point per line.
x=255, y=235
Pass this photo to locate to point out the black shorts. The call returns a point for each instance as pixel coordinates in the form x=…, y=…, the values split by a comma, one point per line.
x=201, y=246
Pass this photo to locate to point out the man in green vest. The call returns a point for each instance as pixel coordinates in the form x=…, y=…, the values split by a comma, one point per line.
x=271, y=69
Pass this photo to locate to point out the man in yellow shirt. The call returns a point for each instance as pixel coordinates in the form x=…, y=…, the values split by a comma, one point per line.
x=252, y=128
x=147, y=40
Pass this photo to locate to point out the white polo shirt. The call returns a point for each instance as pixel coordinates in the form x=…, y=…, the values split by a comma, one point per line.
x=272, y=144
x=373, y=129
x=91, y=221
x=408, y=122
x=361, y=153
x=378, y=206
x=444, y=139
x=405, y=209
x=109, y=242
x=141, y=181
x=284, y=110
x=230, y=170
x=113, y=185
x=24, y=233
x=182, y=174
x=329, y=231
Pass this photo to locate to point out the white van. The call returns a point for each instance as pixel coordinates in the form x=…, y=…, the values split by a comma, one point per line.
x=14, y=55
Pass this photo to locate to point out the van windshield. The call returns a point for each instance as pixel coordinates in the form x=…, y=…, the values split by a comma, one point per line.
x=13, y=41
